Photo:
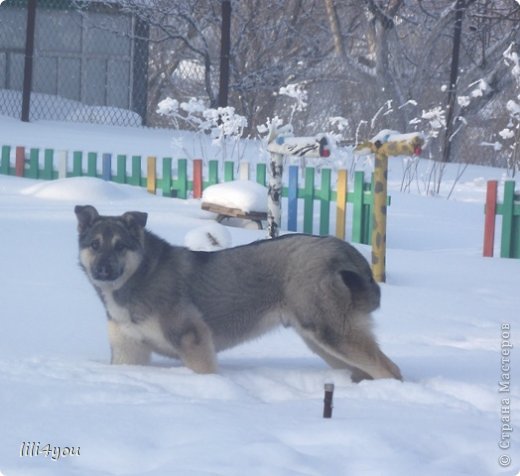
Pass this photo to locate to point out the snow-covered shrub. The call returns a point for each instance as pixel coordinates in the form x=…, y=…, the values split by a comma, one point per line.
x=222, y=124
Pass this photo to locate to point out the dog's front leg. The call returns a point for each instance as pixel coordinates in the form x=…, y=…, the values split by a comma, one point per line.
x=124, y=348
x=193, y=341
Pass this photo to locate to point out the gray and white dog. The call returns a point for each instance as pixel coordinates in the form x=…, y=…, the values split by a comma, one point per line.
x=192, y=304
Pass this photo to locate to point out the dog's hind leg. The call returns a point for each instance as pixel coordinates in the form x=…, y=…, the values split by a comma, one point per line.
x=356, y=349
x=334, y=362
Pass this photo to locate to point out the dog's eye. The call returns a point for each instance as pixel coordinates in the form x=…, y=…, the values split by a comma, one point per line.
x=95, y=244
x=120, y=246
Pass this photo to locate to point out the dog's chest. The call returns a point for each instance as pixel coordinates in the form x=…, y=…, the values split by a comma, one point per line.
x=118, y=313
x=145, y=329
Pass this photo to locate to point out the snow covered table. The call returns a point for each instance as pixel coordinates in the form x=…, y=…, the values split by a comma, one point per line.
x=237, y=199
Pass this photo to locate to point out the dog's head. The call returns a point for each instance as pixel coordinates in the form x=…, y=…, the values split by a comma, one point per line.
x=110, y=247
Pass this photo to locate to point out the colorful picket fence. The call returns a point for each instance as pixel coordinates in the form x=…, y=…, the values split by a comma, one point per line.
x=510, y=211
x=174, y=180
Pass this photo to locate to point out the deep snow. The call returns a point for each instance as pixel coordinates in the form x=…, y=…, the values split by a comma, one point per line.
x=441, y=316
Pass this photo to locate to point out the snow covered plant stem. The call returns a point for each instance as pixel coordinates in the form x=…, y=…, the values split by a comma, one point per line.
x=298, y=94
x=223, y=124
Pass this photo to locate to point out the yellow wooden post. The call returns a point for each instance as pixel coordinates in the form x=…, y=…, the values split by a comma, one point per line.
x=151, y=174
x=407, y=144
x=380, y=195
x=341, y=204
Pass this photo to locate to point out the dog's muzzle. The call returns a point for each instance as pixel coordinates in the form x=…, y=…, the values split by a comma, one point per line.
x=106, y=271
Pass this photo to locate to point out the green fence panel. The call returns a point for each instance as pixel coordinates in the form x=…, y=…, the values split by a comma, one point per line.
x=212, y=172
x=325, y=194
x=357, y=207
x=366, y=212
x=167, y=181
x=5, y=160
x=308, y=200
x=229, y=171
x=120, y=176
x=34, y=165
x=135, y=178
x=92, y=164
x=48, y=165
x=506, y=248
x=77, y=163
x=181, y=184
x=261, y=174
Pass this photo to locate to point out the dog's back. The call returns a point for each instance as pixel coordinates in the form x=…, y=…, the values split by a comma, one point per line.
x=244, y=291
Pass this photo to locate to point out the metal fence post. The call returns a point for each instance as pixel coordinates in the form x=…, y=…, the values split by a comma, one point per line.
x=225, y=46
x=28, y=66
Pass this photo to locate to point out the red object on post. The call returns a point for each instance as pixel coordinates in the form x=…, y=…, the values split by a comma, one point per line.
x=197, y=178
x=324, y=149
x=19, y=166
x=489, y=226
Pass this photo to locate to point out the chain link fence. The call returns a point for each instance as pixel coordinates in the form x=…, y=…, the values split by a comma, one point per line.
x=113, y=61
x=92, y=62
x=12, y=46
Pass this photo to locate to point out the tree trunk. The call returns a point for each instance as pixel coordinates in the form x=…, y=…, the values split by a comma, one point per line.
x=454, y=76
x=334, y=27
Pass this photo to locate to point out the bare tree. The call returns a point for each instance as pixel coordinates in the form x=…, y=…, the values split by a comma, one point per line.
x=275, y=43
x=353, y=56
x=404, y=50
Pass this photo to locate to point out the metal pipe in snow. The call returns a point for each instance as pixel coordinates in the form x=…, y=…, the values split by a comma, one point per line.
x=327, y=401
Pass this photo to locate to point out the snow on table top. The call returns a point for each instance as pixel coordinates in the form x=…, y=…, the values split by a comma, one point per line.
x=242, y=194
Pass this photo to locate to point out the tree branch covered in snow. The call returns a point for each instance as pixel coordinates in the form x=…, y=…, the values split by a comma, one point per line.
x=510, y=135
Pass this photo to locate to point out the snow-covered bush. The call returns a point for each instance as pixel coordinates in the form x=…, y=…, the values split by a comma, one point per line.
x=222, y=124
x=509, y=136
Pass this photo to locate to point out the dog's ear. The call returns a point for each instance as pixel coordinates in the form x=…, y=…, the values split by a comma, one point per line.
x=86, y=215
x=135, y=219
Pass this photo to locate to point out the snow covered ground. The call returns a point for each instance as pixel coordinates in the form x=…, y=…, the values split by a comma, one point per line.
x=441, y=320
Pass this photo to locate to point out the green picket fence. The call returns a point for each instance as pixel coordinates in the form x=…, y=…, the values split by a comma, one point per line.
x=509, y=209
x=175, y=180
